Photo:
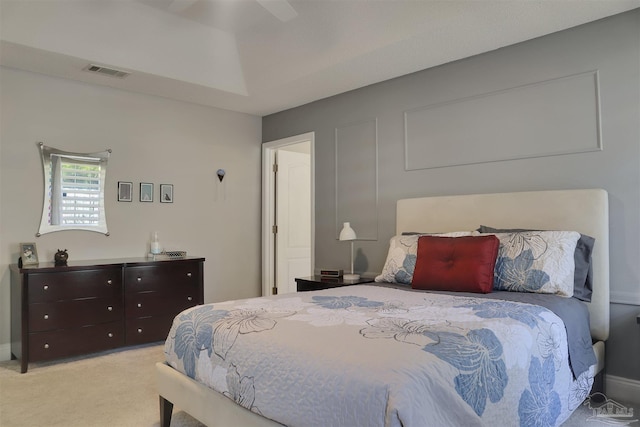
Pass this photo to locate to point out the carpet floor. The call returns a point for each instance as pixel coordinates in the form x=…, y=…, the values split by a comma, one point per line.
x=111, y=389
x=117, y=389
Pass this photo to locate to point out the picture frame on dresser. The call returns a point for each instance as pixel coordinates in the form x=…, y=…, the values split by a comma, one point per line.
x=29, y=253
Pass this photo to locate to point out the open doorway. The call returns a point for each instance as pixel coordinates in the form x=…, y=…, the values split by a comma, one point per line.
x=288, y=212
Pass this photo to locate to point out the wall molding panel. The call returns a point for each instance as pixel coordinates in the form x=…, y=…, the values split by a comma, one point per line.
x=548, y=118
x=356, y=149
x=625, y=297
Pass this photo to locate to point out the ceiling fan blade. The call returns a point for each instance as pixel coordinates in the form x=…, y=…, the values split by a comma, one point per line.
x=281, y=9
x=177, y=6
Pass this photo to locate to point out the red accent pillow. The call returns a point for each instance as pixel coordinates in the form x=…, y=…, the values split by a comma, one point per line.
x=463, y=264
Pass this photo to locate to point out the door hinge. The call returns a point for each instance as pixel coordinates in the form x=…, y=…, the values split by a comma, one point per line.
x=274, y=290
x=275, y=167
x=274, y=229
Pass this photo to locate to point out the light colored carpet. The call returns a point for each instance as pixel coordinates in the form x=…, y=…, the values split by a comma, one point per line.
x=114, y=389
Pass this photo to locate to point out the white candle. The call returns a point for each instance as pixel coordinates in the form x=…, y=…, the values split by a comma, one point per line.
x=155, y=248
x=155, y=244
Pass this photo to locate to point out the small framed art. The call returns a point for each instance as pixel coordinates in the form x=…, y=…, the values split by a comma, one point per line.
x=28, y=253
x=125, y=191
x=166, y=193
x=146, y=192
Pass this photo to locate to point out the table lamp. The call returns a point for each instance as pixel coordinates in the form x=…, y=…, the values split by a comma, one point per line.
x=347, y=233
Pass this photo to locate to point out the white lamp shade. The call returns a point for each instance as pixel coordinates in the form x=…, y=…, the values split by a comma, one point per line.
x=347, y=232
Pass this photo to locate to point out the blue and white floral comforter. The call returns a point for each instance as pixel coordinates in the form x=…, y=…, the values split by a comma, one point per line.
x=375, y=356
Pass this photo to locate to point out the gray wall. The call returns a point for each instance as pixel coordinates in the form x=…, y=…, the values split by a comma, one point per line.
x=589, y=76
x=153, y=140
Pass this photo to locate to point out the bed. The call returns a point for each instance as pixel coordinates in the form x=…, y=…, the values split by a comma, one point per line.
x=459, y=370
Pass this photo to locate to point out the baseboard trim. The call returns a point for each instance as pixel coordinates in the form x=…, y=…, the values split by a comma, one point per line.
x=5, y=352
x=622, y=389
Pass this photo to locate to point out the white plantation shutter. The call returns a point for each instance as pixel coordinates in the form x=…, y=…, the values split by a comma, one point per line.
x=76, y=196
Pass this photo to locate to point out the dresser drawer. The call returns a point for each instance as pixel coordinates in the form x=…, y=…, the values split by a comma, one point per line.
x=74, y=313
x=67, y=285
x=162, y=276
x=148, y=329
x=145, y=304
x=71, y=342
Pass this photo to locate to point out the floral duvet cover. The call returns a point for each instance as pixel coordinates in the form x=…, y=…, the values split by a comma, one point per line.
x=377, y=356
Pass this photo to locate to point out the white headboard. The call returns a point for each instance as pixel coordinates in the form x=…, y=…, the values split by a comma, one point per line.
x=585, y=211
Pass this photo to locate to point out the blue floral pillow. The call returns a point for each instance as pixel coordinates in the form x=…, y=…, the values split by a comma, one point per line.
x=583, y=276
x=401, y=258
x=536, y=261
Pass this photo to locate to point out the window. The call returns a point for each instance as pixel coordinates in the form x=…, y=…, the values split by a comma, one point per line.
x=73, y=196
x=75, y=193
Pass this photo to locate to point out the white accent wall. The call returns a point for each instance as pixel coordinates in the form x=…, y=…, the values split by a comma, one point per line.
x=153, y=140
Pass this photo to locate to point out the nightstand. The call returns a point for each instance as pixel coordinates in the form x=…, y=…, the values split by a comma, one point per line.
x=317, y=282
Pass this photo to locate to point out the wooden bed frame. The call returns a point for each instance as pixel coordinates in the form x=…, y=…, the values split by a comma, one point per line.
x=585, y=211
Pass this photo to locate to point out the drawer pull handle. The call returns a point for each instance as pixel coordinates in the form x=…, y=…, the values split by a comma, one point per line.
x=139, y=279
x=110, y=308
x=139, y=305
x=109, y=282
x=45, y=287
x=46, y=346
x=110, y=334
x=139, y=330
x=189, y=274
x=46, y=317
x=189, y=298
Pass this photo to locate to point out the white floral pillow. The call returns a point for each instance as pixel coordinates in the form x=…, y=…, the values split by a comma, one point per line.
x=401, y=259
x=536, y=261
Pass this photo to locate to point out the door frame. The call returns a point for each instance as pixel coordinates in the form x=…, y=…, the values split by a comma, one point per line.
x=268, y=258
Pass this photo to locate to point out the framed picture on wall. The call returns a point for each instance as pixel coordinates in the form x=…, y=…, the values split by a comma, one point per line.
x=166, y=193
x=28, y=253
x=146, y=192
x=125, y=191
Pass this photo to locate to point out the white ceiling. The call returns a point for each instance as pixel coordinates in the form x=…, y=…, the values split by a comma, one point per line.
x=236, y=55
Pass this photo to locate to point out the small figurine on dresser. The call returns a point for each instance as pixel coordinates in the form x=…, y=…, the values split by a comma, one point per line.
x=60, y=258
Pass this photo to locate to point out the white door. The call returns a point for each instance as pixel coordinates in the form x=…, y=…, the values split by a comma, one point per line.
x=293, y=218
x=288, y=213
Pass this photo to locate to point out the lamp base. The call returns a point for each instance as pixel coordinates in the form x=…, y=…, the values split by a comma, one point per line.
x=349, y=277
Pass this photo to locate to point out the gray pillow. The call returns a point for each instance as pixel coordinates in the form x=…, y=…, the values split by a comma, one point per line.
x=582, y=278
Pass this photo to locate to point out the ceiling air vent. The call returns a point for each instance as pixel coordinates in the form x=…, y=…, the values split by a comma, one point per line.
x=111, y=72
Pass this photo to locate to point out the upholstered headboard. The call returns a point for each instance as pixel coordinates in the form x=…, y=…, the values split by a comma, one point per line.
x=585, y=211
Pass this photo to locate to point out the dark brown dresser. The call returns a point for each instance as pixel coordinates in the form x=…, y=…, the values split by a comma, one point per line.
x=90, y=306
